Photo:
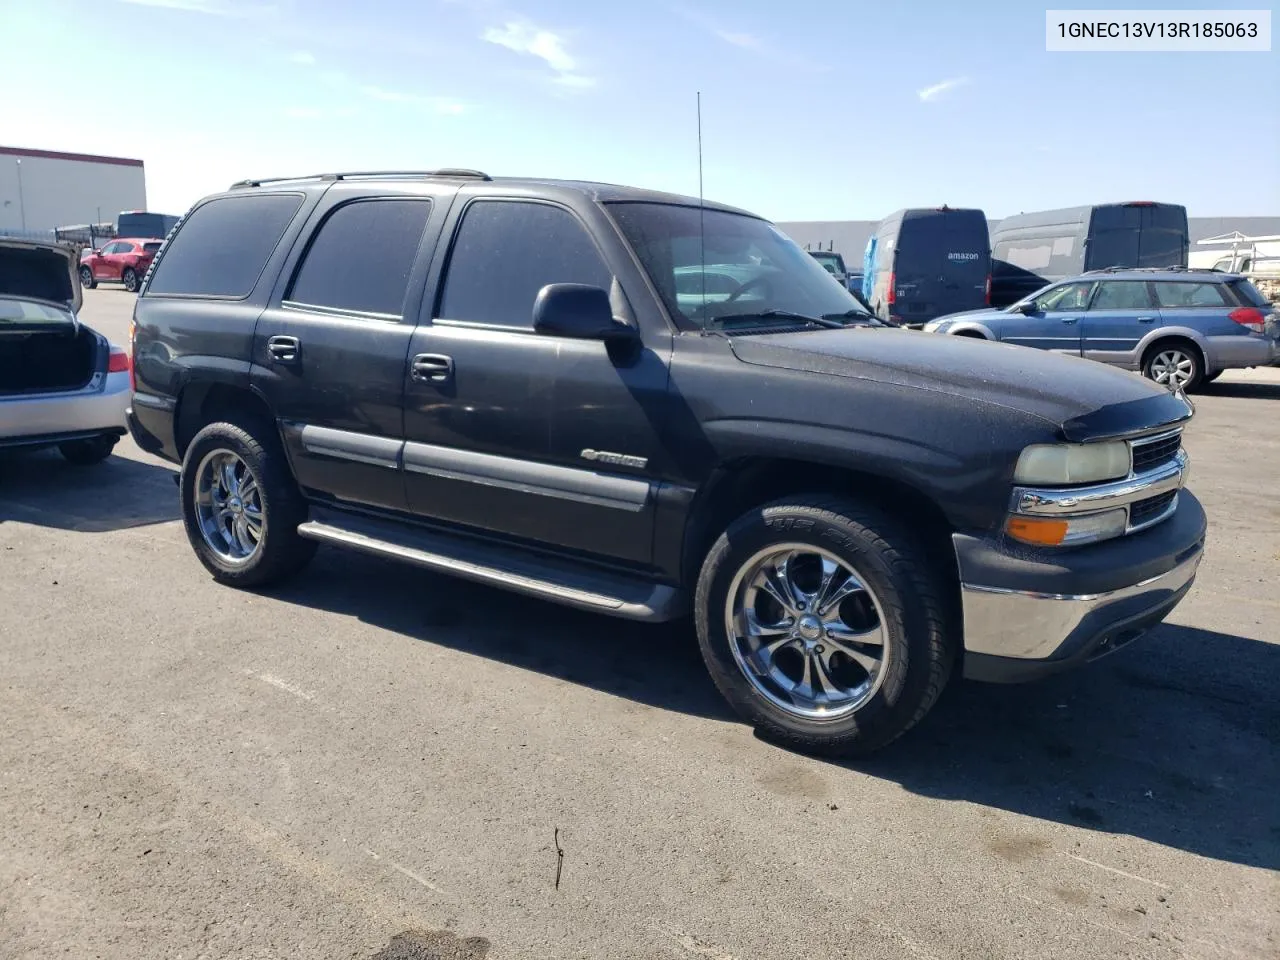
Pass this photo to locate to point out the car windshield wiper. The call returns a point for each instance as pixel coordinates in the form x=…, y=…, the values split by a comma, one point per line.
x=779, y=315
x=854, y=315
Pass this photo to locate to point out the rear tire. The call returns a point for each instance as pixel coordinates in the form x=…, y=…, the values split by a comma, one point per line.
x=1174, y=362
x=85, y=453
x=241, y=507
x=842, y=680
x=86, y=279
x=130, y=279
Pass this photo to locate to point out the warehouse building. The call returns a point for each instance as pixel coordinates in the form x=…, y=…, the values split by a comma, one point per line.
x=41, y=190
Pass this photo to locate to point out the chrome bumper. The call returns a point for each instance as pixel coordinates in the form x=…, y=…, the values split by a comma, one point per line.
x=1066, y=627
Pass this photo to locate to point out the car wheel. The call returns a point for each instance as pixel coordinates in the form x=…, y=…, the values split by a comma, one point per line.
x=86, y=279
x=241, y=507
x=130, y=278
x=823, y=624
x=85, y=453
x=1175, y=365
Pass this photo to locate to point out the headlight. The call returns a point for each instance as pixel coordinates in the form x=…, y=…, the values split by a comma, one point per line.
x=1061, y=464
x=937, y=326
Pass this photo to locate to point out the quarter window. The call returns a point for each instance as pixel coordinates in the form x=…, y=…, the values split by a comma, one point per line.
x=223, y=246
x=361, y=257
x=1173, y=294
x=505, y=251
x=1121, y=295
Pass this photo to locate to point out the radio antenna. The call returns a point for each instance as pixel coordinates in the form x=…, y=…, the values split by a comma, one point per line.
x=702, y=218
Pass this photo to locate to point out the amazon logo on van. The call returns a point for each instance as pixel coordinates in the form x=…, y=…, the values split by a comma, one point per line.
x=962, y=256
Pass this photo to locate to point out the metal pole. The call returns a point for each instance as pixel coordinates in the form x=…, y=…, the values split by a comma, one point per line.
x=22, y=205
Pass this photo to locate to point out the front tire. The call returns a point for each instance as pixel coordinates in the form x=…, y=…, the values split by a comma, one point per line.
x=130, y=278
x=86, y=279
x=823, y=624
x=241, y=507
x=87, y=452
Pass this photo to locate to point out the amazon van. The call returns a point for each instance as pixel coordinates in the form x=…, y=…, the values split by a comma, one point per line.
x=922, y=263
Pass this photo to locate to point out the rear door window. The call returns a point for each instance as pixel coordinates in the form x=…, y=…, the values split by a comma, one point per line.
x=223, y=246
x=360, y=258
x=505, y=251
x=1121, y=295
x=1171, y=294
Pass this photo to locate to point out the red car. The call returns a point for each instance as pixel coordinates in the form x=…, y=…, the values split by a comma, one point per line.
x=120, y=261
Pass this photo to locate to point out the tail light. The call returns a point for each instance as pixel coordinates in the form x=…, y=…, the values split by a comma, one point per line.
x=1250, y=317
x=893, y=288
x=986, y=295
x=118, y=362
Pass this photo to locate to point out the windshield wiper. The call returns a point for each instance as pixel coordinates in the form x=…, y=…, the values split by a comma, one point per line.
x=780, y=315
x=854, y=315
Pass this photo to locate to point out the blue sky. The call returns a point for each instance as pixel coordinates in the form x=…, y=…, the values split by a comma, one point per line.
x=829, y=110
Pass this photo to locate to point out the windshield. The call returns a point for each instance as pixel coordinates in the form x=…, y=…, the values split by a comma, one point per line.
x=712, y=268
x=29, y=313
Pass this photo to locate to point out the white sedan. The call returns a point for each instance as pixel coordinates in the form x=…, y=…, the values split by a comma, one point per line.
x=61, y=383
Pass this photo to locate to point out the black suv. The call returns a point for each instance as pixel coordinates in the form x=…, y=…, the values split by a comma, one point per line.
x=643, y=406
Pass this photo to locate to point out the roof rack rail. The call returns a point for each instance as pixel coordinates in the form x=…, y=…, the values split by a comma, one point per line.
x=1147, y=270
x=456, y=173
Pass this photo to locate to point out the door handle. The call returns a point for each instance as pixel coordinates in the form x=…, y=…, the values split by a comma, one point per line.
x=284, y=349
x=1146, y=319
x=431, y=368
x=1070, y=319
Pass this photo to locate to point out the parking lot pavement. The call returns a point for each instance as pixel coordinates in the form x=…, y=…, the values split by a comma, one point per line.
x=376, y=762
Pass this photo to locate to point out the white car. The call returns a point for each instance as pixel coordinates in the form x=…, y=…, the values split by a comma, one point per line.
x=61, y=383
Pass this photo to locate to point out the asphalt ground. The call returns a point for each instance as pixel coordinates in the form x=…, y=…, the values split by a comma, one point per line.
x=376, y=762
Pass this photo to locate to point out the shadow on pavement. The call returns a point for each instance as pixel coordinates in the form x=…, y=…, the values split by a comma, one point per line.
x=43, y=489
x=1174, y=740
x=1251, y=389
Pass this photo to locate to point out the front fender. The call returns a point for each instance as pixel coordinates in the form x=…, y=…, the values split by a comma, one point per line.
x=966, y=328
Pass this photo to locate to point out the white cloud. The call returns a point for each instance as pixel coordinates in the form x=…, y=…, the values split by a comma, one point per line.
x=525, y=38
x=303, y=57
x=217, y=8
x=938, y=89
x=442, y=105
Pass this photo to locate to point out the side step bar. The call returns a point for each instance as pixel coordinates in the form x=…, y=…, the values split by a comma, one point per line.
x=549, y=578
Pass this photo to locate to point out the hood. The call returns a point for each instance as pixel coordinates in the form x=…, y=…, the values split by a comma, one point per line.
x=1083, y=399
x=40, y=271
x=970, y=314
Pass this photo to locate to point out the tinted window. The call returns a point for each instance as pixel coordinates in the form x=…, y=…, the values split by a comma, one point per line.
x=150, y=247
x=1069, y=296
x=505, y=252
x=1173, y=294
x=1121, y=295
x=223, y=246
x=1247, y=293
x=361, y=257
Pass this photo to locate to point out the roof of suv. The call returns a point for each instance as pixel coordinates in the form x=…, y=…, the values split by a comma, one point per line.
x=599, y=192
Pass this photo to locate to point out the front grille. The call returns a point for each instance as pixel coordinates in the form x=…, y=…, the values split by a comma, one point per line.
x=1150, y=454
x=1144, y=511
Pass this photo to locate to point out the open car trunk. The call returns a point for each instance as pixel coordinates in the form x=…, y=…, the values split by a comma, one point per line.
x=43, y=348
x=54, y=359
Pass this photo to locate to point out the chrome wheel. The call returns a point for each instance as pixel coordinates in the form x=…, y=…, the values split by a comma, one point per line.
x=806, y=631
x=1173, y=367
x=86, y=276
x=130, y=281
x=228, y=503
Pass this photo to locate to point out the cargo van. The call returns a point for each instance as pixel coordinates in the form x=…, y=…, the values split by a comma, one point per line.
x=142, y=223
x=922, y=263
x=1034, y=249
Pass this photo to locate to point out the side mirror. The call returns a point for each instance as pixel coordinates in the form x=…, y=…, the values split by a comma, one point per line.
x=579, y=311
x=1026, y=308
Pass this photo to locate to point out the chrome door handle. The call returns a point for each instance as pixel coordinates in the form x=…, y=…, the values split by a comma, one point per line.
x=284, y=349
x=431, y=368
x=1070, y=319
x=1146, y=319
